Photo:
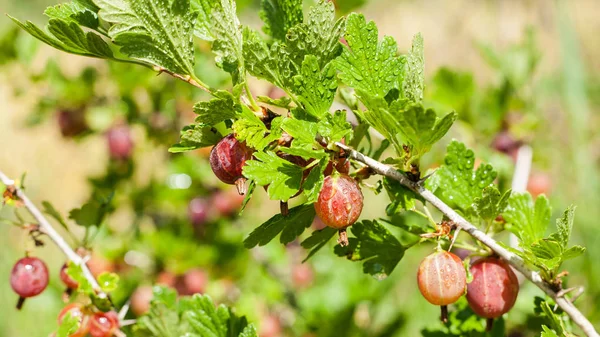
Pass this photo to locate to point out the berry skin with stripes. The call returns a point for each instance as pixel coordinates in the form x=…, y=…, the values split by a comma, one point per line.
x=494, y=289
x=340, y=201
x=442, y=278
x=227, y=159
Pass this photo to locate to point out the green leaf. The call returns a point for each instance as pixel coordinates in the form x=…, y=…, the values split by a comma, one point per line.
x=368, y=65
x=254, y=132
x=314, y=181
x=279, y=16
x=315, y=87
x=229, y=41
x=334, y=127
x=456, y=182
x=69, y=37
x=73, y=11
x=283, y=177
x=158, y=32
x=317, y=240
x=414, y=83
x=290, y=227
x=374, y=244
x=196, y=136
x=421, y=128
x=548, y=333
x=528, y=221
x=573, y=252
x=261, y=61
x=565, y=226
x=223, y=107
x=76, y=273
x=93, y=212
x=203, y=28
x=318, y=36
x=302, y=131
x=283, y=102
x=108, y=282
x=69, y=325
x=190, y=316
x=402, y=198
x=50, y=210
x=491, y=204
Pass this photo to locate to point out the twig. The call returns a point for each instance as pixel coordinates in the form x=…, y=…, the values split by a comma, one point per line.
x=513, y=259
x=186, y=78
x=520, y=179
x=53, y=234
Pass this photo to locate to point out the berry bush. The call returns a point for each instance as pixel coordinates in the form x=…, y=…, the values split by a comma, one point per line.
x=346, y=121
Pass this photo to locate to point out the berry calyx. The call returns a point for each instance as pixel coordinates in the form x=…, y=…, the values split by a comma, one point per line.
x=120, y=144
x=442, y=279
x=494, y=289
x=340, y=201
x=28, y=278
x=75, y=310
x=66, y=279
x=104, y=324
x=227, y=159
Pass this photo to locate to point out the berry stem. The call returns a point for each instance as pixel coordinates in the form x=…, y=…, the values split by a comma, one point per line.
x=240, y=184
x=20, y=303
x=284, y=208
x=489, y=324
x=513, y=259
x=444, y=316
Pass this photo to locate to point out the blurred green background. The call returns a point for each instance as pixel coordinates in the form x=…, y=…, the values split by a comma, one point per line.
x=488, y=48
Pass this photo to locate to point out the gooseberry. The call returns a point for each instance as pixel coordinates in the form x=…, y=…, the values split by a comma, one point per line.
x=104, y=324
x=340, y=201
x=76, y=310
x=227, y=159
x=29, y=277
x=120, y=144
x=66, y=279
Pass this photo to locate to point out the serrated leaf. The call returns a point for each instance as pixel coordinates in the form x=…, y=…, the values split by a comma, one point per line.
x=314, y=181
x=279, y=16
x=573, y=252
x=229, y=41
x=158, y=32
x=402, y=198
x=456, y=182
x=108, y=282
x=315, y=88
x=93, y=212
x=529, y=221
x=302, y=131
x=73, y=11
x=50, y=210
x=547, y=332
x=203, y=28
x=69, y=37
x=334, y=127
x=223, y=107
x=421, y=128
x=254, y=132
x=368, y=65
x=196, y=136
x=414, y=81
x=260, y=60
x=565, y=226
x=283, y=177
x=69, y=324
x=491, y=204
x=283, y=102
x=373, y=243
x=290, y=227
x=190, y=316
x=318, y=36
x=317, y=240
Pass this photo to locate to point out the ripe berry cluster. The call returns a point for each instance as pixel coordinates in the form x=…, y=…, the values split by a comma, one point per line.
x=492, y=293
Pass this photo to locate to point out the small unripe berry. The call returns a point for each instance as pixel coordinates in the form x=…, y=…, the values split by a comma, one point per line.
x=340, y=201
x=302, y=275
x=270, y=326
x=66, y=279
x=76, y=310
x=442, y=278
x=29, y=277
x=227, y=159
x=104, y=324
x=71, y=122
x=494, y=288
x=98, y=265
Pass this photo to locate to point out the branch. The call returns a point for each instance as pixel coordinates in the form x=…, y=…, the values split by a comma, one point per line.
x=513, y=259
x=53, y=234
